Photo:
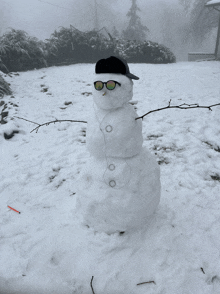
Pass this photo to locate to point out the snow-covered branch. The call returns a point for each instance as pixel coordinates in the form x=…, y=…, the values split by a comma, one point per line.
x=50, y=122
x=181, y=106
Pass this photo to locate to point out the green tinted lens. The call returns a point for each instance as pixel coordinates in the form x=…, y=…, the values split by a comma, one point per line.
x=98, y=86
x=110, y=85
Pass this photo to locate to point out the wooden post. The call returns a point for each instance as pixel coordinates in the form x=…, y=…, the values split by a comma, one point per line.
x=217, y=40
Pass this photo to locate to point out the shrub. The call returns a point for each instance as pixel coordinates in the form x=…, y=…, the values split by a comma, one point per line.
x=19, y=51
x=70, y=45
x=144, y=52
x=4, y=87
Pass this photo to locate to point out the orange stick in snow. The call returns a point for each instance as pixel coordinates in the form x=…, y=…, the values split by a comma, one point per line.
x=14, y=209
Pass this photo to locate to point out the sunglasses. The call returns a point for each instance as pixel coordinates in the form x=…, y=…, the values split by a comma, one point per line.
x=110, y=85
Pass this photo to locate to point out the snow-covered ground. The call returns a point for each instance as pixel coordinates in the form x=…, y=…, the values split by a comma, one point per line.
x=44, y=249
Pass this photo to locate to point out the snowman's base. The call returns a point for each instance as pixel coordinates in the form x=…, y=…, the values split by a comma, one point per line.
x=126, y=206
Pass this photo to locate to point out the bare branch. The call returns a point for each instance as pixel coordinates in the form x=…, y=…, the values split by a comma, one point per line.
x=50, y=122
x=28, y=120
x=181, y=106
x=92, y=286
x=55, y=121
x=146, y=283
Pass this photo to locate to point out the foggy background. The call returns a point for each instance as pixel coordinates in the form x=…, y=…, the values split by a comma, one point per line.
x=166, y=20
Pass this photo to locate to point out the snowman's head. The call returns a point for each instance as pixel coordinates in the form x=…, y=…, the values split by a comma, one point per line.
x=113, y=85
x=112, y=90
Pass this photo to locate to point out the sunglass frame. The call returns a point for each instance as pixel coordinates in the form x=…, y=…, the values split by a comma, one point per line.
x=105, y=83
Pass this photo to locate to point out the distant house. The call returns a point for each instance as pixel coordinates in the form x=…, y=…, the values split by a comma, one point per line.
x=215, y=4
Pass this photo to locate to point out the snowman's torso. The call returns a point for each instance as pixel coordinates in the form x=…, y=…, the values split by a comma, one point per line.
x=114, y=133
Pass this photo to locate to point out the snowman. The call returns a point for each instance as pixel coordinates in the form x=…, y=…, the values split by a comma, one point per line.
x=119, y=186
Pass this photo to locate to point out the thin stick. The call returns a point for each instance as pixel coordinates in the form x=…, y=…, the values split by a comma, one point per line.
x=28, y=120
x=181, y=106
x=91, y=285
x=55, y=121
x=13, y=209
x=146, y=283
x=50, y=122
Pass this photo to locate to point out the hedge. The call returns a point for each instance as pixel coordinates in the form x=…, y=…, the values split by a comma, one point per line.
x=21, y=52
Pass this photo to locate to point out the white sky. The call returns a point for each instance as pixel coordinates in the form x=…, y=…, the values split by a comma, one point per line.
x=40, y=19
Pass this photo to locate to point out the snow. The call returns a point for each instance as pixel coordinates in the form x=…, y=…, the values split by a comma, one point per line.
x=45, y=250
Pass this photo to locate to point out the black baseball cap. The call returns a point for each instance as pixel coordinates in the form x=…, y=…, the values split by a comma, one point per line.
x=114, y=65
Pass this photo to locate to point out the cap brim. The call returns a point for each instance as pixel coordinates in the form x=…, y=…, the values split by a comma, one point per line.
x=131, y=76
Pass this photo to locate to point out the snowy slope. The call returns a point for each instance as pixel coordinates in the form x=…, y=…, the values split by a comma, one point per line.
x=44, y=250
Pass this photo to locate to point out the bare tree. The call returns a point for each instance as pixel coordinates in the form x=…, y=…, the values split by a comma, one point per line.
x=201, y=19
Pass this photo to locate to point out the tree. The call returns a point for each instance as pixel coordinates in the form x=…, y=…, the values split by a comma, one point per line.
x=135, y=29
x=115, y=33
x=19, y=51
x=202, y=20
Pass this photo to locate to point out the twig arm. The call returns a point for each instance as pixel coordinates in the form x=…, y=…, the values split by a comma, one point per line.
x=28, y=120
x=50, y=122
x=55, y=121
x=181, y=106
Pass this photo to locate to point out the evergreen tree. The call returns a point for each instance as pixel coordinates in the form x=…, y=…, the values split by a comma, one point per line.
x=135, y=29
x=115, y=33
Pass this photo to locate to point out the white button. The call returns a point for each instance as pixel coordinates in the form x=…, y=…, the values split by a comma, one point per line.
x=108, y=128
x=111, y=167
x=112, y=183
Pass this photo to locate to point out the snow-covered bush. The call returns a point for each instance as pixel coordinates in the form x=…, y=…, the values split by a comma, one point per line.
x=157, y=53
x=20, y=52
x=4, y=87
x=69, y=45
x=144, y=52
x=59, y=47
